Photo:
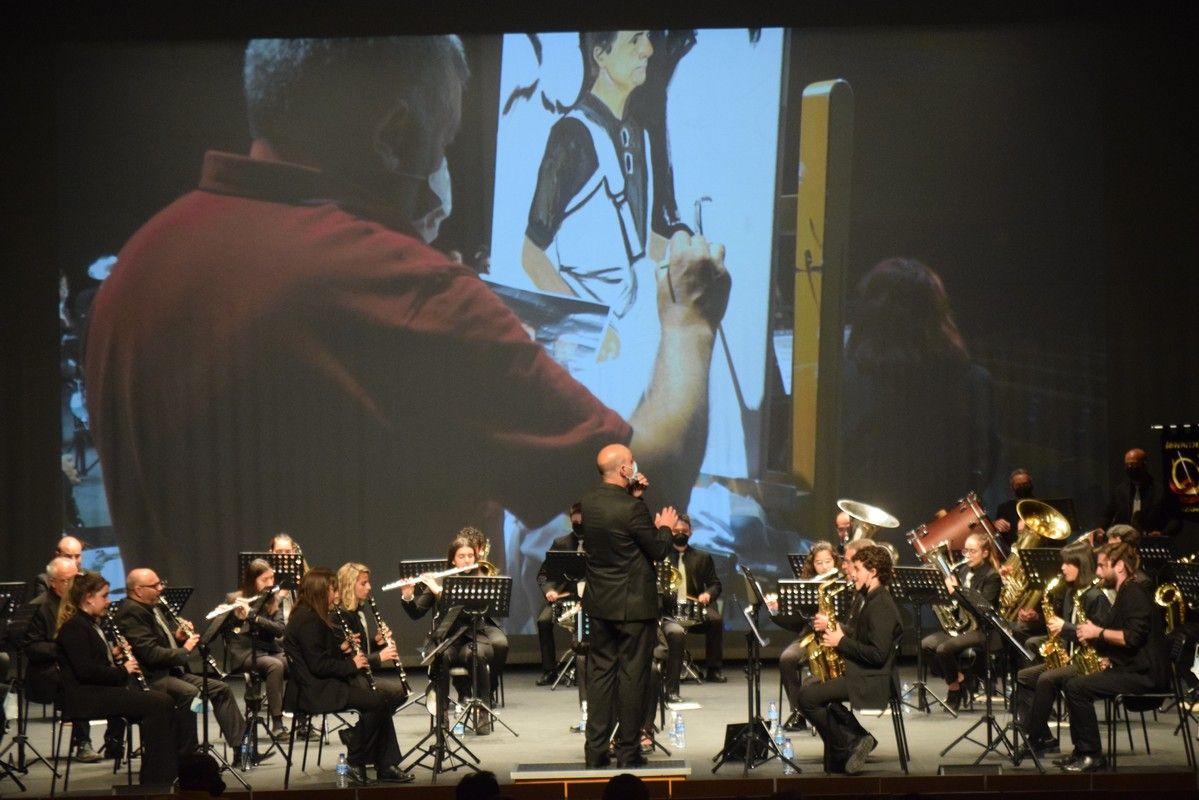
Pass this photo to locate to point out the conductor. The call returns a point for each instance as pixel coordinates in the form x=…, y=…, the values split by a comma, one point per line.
x=622, y=544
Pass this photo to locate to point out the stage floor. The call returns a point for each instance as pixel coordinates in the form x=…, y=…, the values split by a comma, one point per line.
x=544, y=719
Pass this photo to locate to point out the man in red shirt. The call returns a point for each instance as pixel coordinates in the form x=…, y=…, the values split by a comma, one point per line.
x=280, y=350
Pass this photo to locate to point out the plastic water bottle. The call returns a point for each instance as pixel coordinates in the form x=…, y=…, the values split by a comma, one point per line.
x=459, y=721
x=789, y=756
x=674, y=729
x=680, y=731
x=772, y=713
x=247, y=753
x=778, y=735
x=343, y=771
x=906, y=688
x=583, y=720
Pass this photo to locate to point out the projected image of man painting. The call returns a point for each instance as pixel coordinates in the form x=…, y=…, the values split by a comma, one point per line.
x=282, y=349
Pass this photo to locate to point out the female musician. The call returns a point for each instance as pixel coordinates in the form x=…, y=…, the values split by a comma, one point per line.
x=1037, y=686
x=254, y=632
x=327, y=678
x=980, y=574
x=95, y=685
x=490, y=648
x=353, y=589
x=866, y=643
x=283, y=543
x=822, y=559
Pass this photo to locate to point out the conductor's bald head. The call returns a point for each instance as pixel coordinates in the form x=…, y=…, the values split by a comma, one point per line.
x=615, y=464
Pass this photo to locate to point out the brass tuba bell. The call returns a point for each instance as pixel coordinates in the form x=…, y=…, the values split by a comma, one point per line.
x=867, y=519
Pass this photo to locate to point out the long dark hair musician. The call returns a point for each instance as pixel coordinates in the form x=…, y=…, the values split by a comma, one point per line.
x=253, y=635
x=94, y=687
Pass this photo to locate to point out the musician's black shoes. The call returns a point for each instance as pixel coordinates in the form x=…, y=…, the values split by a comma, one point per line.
x=1062, y=762
x=546, y=678
x=1086, y=764
x=857, y=757
x=954, y=698
x=394, y=774
x=357, y=775
x=795, y=722
x=633, y=761
x=715, y=676
x=673, y=697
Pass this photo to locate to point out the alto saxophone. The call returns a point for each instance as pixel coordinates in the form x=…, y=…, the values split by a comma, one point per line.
x=1085, y=658
x=824, y=662
x=1051, y=649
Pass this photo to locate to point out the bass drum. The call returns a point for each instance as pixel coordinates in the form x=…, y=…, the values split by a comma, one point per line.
x=952, y=526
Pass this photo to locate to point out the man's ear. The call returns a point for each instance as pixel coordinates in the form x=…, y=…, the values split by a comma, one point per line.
x=391, y=133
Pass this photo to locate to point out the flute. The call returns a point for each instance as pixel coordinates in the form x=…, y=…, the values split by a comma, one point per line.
x=389, y=640
x=355, y=648
x=115, y=637
x=413, y=581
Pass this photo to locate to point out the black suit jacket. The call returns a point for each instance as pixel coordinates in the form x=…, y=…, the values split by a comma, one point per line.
x=567, y=542
x=1144, y=650
x=83, y=659
x=868, y=648
x=319, y=681
x=266, y=630
x=154, y=650
x=701, y=572
x=1095, y=605
x=42, y=678
x=622, y=546
x=1157, y=509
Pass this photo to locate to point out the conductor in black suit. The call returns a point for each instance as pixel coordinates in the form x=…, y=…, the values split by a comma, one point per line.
x=866, y=642
x=622, y=544
x=701, y=584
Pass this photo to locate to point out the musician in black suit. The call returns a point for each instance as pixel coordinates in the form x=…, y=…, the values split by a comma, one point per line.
x=254, y=633
x=622, y=545
x=552, y=591
x=979, y=574
x=1132, y=650
x=163, y=648
x=699, y=583
x=68, y=547
x=353, y=589
x=1140, y=501
x=479, y=655
x=866, y=642
x=1038, y=686
x=1007, y=520
x=94, y=685
x=326, y=678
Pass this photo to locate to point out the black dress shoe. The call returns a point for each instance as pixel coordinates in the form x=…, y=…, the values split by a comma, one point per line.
x=633, y=762
x=394, y=774
x=1066, y=760
x=673, y=697
x=857, y=755
x=715, y=676
x=954, y=699
x=546, y=678
x=357, y=775
x=1088, y=763
x=603, y=762
x=795, y=722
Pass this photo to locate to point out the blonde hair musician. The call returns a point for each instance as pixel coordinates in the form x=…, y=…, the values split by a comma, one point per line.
x=353, y=595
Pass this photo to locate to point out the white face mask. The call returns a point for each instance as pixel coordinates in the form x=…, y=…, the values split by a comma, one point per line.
x=428, y=226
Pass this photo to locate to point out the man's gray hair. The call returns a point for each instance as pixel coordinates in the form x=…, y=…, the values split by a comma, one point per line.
x=325, y=93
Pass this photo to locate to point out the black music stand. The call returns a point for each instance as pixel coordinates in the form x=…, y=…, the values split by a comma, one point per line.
x=1041, y=564
x=1154, y=556
x=288, y=567
x=797, y=561
x=479, y=597
x=176, y=597
x=752, y=740
x=1186, y=577
x=206, y=662
x=410, y=569
x=15, y=616
x=446, y=757
x=989, y=618
x=568, y=566
x=920, y=586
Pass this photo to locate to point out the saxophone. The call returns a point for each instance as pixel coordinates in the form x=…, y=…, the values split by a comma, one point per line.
x=1051, y=649
x=1085, y=658
x=824, y=662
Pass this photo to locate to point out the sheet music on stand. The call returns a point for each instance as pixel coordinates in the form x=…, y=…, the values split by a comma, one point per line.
x=1041, y=564
x=1154, y=557
x=796, y=560
x=476, y=593
x=176, y=597
x=12, y=595
x=415, y=567
x=919, y=586
x=287, y=566
x=1186, y=578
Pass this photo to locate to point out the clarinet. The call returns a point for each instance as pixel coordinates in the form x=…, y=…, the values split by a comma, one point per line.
x=382, y=627
x=189, y=631
x=355, y=648
x=114, y=636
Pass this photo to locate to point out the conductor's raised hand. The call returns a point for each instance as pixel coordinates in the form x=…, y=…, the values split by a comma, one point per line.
x=666, y=518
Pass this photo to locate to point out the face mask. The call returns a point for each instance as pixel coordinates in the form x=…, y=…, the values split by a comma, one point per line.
x=1023, y=491
x=1136, y=473
x=577, y=527
x=679, y=539
x=428, y=226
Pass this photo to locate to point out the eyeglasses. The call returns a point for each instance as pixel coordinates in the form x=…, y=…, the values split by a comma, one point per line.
x=159, y=585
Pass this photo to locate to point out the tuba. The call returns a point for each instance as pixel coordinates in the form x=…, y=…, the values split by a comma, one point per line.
x=1041, y=521
x=1085, y=658
x=866, y=519
x=1169, y=597
x=825, y=663
x=1051, y=649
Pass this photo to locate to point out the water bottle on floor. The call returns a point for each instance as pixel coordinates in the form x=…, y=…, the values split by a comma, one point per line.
x=247, y=753
x=583, y=721
x=674, y=729
x=772, y=713
x=778, y=735
x=680, y=731
x=343, y=771
x=459, y=723
x=789, y=755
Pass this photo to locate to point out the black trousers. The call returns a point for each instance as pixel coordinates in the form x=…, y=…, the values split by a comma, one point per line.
x=167, y=731
x=840, y=729
x=480, y=664
x=791, y=664
x=184, y=688
x=545, y=637
x=1081, y=693
x=676, y=634
x=374, y=737
x=618, y=674
x=943, y=650
x=272, y=669
x=1036, y=689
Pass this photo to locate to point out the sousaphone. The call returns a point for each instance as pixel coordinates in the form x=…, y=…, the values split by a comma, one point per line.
x=866, y=519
